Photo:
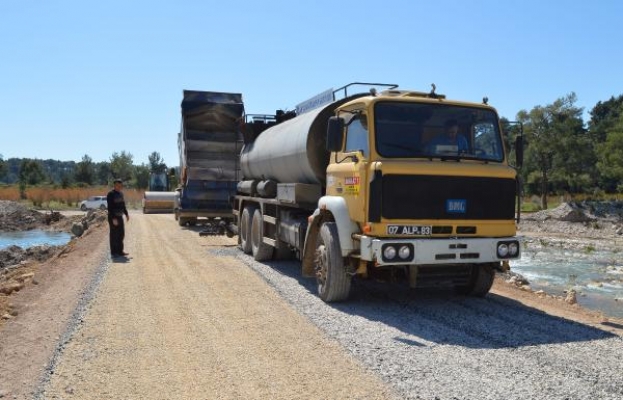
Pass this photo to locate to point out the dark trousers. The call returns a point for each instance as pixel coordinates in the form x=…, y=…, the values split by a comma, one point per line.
x=117, y=233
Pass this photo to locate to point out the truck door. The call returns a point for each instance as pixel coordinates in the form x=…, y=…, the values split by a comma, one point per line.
x=346, y=175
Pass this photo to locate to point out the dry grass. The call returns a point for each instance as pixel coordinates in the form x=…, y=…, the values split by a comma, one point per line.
x=58, y=199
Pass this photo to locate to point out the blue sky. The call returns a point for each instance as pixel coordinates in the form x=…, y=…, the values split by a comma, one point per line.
x=82, y=77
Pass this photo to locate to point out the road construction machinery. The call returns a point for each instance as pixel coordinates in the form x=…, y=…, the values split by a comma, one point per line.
x=364, y=184
x=209, y=143
x=159, y=198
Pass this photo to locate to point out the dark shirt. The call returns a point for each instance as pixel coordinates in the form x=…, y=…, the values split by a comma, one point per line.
x=116, y=204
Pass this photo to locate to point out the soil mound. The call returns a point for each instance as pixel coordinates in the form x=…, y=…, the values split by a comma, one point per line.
x=569, y=212
x=15, y=255
x=585, y=211
x=15, y=217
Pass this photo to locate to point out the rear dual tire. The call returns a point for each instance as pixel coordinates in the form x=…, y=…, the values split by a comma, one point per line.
x=245, y=229
x=261, y=251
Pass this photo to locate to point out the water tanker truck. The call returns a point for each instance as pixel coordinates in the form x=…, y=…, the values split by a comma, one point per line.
x=375, y=185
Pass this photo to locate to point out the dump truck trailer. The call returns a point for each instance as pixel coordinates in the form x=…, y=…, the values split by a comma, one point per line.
x=209, y=143
x=365, y=185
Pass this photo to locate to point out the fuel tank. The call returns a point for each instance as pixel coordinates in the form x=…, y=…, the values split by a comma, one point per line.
x=293, y=151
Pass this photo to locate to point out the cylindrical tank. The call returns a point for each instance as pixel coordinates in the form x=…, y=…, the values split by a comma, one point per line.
x=293, y=151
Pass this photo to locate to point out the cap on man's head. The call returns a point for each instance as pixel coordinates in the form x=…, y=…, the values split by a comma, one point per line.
x=117, y=181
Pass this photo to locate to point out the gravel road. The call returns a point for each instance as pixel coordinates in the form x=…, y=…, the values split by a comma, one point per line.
x=174, y=322
x=190, y=317
x=432, y=345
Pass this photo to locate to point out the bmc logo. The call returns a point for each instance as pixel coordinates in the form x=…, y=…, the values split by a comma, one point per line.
x=456, y=206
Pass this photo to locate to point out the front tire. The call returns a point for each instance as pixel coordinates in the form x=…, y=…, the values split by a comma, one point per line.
x=480, y=282
x=83, y=207
x=331, y=277
x=261, y=251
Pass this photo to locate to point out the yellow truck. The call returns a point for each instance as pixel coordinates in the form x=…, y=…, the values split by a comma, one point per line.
x=384, y=183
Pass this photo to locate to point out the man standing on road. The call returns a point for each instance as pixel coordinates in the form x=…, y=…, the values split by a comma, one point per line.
x=116, y=210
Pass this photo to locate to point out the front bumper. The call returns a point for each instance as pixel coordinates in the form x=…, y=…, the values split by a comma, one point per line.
x=439, y=251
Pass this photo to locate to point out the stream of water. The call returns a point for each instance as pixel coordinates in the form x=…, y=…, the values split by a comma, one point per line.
x=35, y=237
x=596, y=275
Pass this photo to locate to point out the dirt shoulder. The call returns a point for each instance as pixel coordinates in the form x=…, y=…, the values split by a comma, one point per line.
x=556, y=305
x=41, y=310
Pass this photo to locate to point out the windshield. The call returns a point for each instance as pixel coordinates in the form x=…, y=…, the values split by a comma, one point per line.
x=437, y=131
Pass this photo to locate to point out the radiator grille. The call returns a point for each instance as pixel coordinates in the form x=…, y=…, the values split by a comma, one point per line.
x=425, y=197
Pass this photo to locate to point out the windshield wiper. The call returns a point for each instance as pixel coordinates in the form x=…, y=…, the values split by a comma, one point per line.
x=401, y=146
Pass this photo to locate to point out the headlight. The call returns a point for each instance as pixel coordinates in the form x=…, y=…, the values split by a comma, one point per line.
x=502, y=250
x=389, y=253
x=404, y=252
x=513, y=249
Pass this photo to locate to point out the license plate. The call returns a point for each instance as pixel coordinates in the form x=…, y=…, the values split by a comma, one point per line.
x=415, y=230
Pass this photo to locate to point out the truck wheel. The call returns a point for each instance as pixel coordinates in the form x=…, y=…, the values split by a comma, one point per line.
x=261, y=251
x=245, y=229
x=480, y=281
x=333, y=281
x=181, y=221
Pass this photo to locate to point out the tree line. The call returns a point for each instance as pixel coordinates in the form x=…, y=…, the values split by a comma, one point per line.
x=33, y=172
x=563, y=154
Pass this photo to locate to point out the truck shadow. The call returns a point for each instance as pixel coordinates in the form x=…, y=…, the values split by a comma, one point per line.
x=443, y=317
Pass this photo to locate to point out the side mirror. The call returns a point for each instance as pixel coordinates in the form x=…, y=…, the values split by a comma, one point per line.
x=519, y=151
x=335, y=133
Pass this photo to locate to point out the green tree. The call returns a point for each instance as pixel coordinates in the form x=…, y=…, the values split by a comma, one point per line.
x=156, y=163
x=141, y=173
x=66, y=181
x=85, y=171
x=610, y=163
x=556, y=145
x=604, y=117
x=103, y=173
x=121, y=165
x=3, y=168
x=31, y=172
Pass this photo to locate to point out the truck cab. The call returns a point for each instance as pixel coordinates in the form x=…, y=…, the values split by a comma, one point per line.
x=427, y=183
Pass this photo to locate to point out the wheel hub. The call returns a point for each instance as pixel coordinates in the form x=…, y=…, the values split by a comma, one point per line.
x=321, y=264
